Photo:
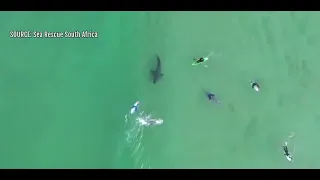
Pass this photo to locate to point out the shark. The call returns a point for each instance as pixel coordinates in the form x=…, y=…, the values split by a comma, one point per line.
x=156, y=73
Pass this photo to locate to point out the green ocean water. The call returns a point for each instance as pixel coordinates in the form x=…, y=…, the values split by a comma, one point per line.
x=63, y=101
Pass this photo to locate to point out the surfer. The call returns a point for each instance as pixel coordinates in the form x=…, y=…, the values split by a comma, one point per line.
x=199, y=60
x=134, y=108
x=286, y=151
x=255, y=86
x=212, y=97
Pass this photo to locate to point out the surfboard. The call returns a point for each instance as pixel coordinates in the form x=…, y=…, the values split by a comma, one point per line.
x=134, y=107
x=195, y=63
x=205, y=59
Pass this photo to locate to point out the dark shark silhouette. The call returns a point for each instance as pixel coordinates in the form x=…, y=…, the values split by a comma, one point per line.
x=156, y=74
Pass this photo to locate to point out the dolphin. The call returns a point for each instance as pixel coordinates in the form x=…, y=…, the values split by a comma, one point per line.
x=156, y=74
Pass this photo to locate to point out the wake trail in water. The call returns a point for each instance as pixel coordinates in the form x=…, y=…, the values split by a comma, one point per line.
x=134, y=141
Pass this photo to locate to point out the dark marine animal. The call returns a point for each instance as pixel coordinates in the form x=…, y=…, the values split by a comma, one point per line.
x=157, y=73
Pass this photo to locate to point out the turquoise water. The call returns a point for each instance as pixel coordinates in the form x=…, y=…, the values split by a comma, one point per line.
x=64, y=100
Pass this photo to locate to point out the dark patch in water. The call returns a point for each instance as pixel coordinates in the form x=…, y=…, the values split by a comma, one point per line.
x=304, y=67
x=317, y=120
x=292, y=66
x=265, y=22
x=281, y=100
x=312, y=40
x=251, y=128
x=304, y=83
x=233, y=149
x=305, y=74
x=231, y=107
x=301, y=21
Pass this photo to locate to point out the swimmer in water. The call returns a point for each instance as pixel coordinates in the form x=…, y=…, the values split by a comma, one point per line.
x=286, y=151
x=134, y=108
x=287, y=154
x=212, y=97
x=199, y=60
x=255, y=85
